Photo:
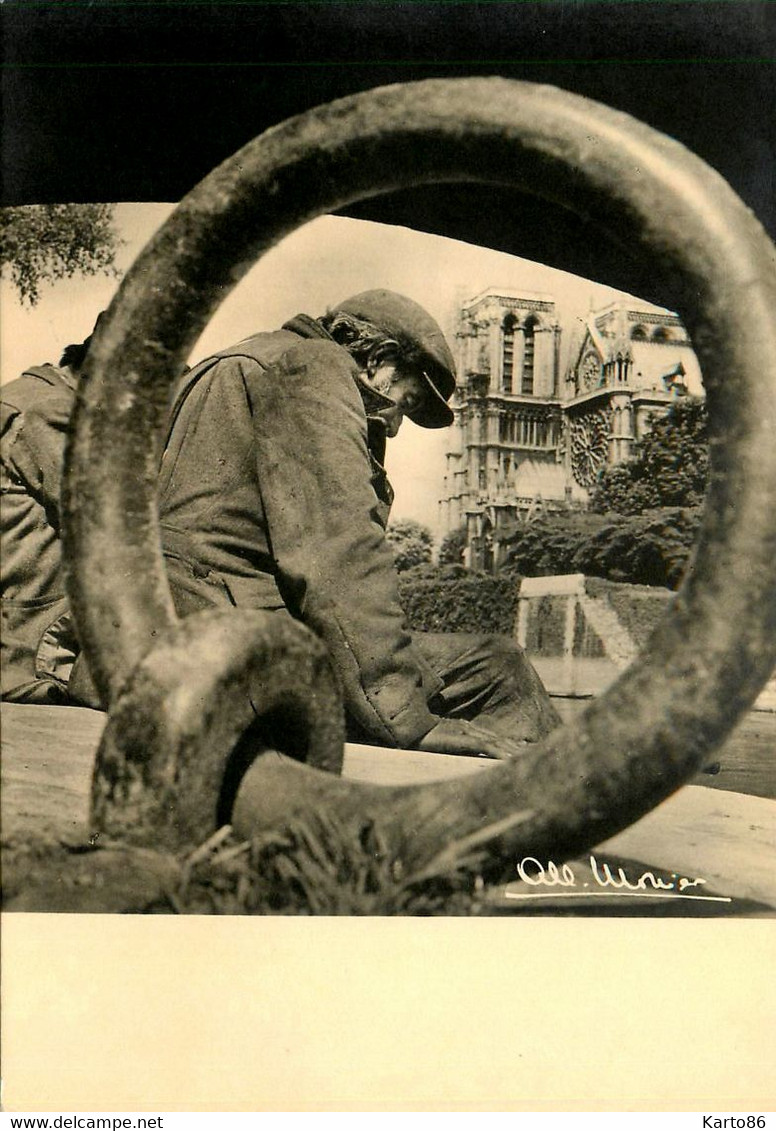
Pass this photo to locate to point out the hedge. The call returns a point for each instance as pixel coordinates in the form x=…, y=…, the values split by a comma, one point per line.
x=639, y=607
x=653, y=548
x=454, y=599
x=546, y=629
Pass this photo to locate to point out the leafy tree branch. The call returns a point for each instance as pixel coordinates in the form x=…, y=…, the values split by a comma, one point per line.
x=42, y=243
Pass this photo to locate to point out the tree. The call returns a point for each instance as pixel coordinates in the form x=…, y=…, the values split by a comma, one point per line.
x=652, y=548
x=550, y=544
x=669, y=468
x=45, y=242
x=411, y=542
x=644, y=516
x=453, y=546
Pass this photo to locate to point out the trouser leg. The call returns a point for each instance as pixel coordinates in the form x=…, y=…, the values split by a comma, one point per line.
x=488, y=678
x=81, y=688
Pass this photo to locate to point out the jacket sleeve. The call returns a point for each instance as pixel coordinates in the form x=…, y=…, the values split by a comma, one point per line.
x=33, y=449
x=335, y=568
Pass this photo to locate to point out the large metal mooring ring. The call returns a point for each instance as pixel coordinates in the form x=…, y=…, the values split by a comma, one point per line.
x=715, y=647
x=216, y=691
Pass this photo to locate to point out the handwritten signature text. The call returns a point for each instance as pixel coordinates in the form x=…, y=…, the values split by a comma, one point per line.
x=604, y=879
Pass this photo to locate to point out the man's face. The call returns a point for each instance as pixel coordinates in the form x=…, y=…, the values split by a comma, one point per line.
x=406, y=389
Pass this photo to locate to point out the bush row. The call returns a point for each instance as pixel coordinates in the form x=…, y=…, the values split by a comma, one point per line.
x=454, y=599
x=638, y=607
x=652, y=548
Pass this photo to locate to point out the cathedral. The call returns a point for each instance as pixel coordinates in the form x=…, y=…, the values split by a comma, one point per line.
x=529, y=437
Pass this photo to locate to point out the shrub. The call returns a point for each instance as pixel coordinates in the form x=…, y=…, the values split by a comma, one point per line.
x=652, y=548
x=638, y=607
x=452, y=548
x=454, y=599
x=411, y=543
x=669, y=467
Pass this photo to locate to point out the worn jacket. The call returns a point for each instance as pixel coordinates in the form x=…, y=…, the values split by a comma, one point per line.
x=270, y=498
x=37, y=646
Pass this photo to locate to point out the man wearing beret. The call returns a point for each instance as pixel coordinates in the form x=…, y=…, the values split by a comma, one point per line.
x=273, y=496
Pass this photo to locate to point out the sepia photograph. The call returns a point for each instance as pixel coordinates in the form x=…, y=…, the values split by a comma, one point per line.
x=387, y=532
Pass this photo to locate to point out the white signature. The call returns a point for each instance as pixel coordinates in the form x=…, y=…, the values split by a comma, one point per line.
x=605, y=881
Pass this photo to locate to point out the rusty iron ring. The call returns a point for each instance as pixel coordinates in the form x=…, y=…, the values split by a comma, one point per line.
x=715, y=647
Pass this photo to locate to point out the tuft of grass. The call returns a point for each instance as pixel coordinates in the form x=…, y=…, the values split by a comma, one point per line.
x=316, y=867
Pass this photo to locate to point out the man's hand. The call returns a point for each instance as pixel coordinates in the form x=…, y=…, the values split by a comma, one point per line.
x=458, y=736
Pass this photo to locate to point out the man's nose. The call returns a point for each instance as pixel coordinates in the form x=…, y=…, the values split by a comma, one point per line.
x=393, y=419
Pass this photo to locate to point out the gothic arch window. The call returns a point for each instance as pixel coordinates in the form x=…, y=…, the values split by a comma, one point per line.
x=639, y=333
x=661, y=334
x=529, y=347
x=508, y=352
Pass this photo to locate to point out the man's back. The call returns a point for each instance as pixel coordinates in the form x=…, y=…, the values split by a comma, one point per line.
x=35, y=411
